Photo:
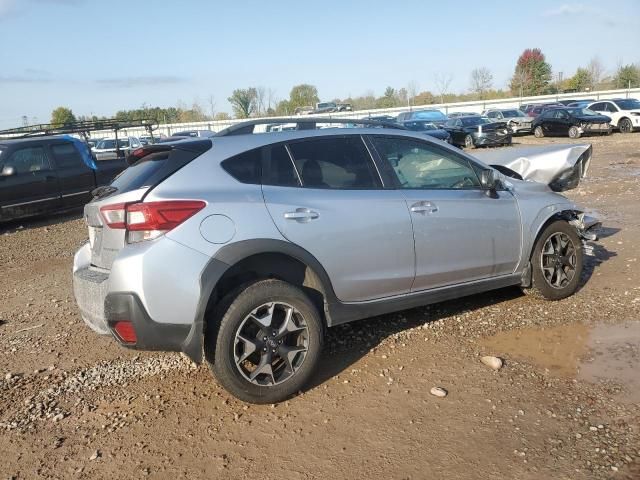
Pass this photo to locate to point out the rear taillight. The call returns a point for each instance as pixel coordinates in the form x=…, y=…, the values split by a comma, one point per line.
x=146, y=221
x=125, y=332
x=142, y=152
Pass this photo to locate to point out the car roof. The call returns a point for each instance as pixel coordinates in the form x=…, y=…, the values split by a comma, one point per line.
x=40, y=139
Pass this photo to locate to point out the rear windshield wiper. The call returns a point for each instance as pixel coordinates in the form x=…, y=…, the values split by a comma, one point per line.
x=103, y=191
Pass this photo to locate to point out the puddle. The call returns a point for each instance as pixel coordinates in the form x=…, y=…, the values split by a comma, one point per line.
x=591, y=353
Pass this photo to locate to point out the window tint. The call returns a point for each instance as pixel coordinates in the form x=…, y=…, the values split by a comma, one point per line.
x=244, y=167
x=420, y=165
x=26, y=160
x=335, y=163
x=66, y=155
x=599, y=107
x=561, y=114
x=493, y=115
x=279, y=169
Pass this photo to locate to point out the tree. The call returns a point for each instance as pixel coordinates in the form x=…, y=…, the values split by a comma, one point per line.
x=388, y=100
x=62, y=116
x=627, y=76
x=481, y=81
x=442, y=81
x=596, y=72
x=532, y=73
x=581, y=80
x=243, y=102
x=303, y=95
x=222, y=116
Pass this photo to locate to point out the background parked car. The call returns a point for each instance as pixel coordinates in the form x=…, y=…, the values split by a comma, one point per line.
x=573, y=122
x=568, y=101
x=624, y=113
x=535, y=110
x=430, y=115
x=428, y=128
x=106, y=148
x=461, y=114
x=475, y=131
x=580, y=104
x=194, y=133
x=517, y=121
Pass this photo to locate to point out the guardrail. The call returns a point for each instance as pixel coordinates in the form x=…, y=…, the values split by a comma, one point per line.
x=471, y=106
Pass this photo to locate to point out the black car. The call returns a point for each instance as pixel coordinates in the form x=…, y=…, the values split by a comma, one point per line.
x=475, y=131
x=573, y=122
x=428, y=128
x=48, y=174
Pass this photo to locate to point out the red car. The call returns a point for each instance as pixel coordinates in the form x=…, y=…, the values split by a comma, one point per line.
x=535, y=110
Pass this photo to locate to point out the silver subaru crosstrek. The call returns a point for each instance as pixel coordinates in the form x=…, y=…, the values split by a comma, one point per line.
x=243, y=248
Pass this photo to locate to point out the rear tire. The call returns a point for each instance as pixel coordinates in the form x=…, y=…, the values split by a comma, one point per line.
x=256, y=370
x=556, y=262
x=574, y=132
x=538, y=132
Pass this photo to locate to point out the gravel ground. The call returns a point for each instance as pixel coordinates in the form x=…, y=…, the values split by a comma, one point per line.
x=75, y=405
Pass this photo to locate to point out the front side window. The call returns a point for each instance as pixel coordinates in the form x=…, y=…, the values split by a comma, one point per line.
x=29, y=160
x=340, y=163
x=420, y=165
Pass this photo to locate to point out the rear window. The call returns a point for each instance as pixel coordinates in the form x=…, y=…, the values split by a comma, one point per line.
x=156, y=167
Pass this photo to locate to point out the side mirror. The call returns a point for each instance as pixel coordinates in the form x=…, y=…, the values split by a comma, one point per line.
x=489, y=179
x=8, y=171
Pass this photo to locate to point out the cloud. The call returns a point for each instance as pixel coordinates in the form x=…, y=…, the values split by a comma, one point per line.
x=129, y=82
x=571, y=9
x=29, y=75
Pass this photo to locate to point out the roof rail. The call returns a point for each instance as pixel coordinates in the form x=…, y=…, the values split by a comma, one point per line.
x=83, y=127
x=302, y=123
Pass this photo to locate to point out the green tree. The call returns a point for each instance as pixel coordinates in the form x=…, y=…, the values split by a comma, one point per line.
x=243, y=101
x=532, y=73
x=581, y=80
x=627, y=76
x=388, y=100
x=303, y=95
x=62, y=116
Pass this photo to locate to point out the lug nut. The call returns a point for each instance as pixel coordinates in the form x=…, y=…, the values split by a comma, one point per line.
x=279, y=342
x=264, y=339
x=273, y=351
x=264, y=349
x=274, y=333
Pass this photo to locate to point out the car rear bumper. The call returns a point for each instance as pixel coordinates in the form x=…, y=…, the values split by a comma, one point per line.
x=157, y=287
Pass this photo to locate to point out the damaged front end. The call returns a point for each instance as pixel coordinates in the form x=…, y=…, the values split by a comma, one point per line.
x=586, y=226
x=561, y=167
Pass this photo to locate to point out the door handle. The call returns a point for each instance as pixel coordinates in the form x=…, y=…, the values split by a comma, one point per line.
x=302, y=215
x=424, y=207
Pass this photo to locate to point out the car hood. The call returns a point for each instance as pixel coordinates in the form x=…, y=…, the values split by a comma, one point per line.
x=561, y=167
x=438, y=133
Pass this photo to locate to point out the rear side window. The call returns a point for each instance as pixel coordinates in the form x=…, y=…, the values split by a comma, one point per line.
x=66, y=155
x=340, y=163
x=244, y=167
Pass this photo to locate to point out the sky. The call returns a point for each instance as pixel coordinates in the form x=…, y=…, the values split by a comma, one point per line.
x=101, y=56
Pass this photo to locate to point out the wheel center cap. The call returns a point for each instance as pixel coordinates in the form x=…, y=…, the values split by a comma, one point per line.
x=271, y=343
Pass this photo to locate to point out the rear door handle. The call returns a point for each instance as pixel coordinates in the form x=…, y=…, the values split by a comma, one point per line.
x=424, y=207
x=302, y=215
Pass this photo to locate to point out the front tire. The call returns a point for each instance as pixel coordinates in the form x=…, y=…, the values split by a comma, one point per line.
x=574, y=132
x=625, y=125
x=468, y=141
x=538, y=132
x=556, y=262
x=268, y=343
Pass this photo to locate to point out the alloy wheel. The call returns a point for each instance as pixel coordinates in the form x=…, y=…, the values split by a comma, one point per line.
x=558, y=260
x=271, y=344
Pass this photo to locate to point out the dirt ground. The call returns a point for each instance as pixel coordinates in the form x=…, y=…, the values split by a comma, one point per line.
x=564, y=406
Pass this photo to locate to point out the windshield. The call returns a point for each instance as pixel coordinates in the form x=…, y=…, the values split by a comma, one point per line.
x=512, y=113
x=581, y=112
x=473, y=121
x=420, y=126
x=429, y=115
x=628, y=104
x=326, y=105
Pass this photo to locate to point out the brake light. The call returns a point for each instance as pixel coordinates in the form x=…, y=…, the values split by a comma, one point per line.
x=142, y=152
x=146, y=221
